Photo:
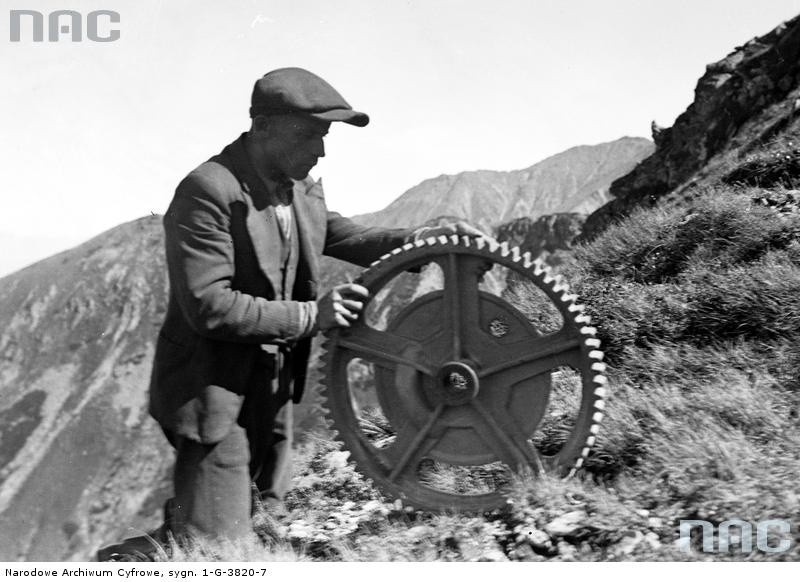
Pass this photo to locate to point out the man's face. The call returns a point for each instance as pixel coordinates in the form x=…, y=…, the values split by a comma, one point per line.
x=294, y=143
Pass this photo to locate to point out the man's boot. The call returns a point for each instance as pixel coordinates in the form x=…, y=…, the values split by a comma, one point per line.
x=146, y=548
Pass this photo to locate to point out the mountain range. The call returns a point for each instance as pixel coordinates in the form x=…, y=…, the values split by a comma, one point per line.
x=575, y=181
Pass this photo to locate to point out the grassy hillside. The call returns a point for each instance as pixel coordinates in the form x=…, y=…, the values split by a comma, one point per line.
x=698, y=308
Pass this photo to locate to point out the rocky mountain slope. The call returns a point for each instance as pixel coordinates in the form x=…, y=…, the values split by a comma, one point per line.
x=79, y=456
x=545, y=236
x=740, y=102
x=575, y=180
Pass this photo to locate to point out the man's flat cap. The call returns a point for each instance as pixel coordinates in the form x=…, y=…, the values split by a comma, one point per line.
x=295, y=90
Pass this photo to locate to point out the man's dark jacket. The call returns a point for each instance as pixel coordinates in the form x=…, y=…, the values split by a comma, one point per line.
x=223, y=254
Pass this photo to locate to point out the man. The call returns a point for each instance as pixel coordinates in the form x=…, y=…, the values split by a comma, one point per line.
x=244, y=234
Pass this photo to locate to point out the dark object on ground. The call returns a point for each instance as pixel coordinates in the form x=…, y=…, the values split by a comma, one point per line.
x=146, y=548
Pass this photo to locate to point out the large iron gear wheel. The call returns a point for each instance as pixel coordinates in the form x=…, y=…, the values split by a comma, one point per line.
x=463, y=377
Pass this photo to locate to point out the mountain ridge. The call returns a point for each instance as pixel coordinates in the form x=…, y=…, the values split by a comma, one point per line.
x=575, y=180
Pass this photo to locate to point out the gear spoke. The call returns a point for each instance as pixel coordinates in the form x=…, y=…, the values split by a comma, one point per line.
x=538, y=356
x=411, y=450
x=461, y=299
x=518, y=437
x=495, y=437
x=453, y=303
x=382, y=348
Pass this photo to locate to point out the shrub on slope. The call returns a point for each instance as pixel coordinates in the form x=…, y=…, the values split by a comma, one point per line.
x=699, y=312
x=723, y=269
x=776, y=165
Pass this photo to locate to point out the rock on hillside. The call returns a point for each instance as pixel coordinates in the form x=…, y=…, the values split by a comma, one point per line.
x=575, y=180
x=79, y=456
x=546, y=234
x=740, y=102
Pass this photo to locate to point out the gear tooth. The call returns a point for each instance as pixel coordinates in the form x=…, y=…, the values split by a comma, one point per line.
x=454, y=239
x=559, y=285
x=572, y=472
x=599, y=367
x=594, y=429
x=592, y=342
x=465, y=240
x=600, y=380
x=584, y=452
x=583, y=319
x=494, y=245
x=430, y=241
x=540, y=268
x=588, y=330
x=568, y=297
x=515, y=256
x=420, y=243
x=597, y=417
x=600, y=405
x=579, y=463
x=398, y=504
x=504, y=247
x=443, y=240
x=408, y=246
x=396, y=251
x=526, y=258
x=547, y=278
x=600, y=392
x=574, y=307
x=480, y=243
x=590, y=441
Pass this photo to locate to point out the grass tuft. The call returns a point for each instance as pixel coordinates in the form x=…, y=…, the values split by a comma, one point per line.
x=776, y=165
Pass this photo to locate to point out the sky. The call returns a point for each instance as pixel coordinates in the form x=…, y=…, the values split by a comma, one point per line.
x=97, y=134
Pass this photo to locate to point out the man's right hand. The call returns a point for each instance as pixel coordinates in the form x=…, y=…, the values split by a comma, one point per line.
x=341, y=305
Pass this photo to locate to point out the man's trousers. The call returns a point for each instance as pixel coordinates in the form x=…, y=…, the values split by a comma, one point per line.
x=214, y=483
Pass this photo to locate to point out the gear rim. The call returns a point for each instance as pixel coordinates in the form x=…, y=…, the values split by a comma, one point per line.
x=369, y=461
